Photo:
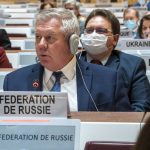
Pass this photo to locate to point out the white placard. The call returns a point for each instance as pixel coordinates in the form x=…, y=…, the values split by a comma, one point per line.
x=141, y=8
x=54, y=134
x=33, y=104
x=126, y=34
x=133, y=44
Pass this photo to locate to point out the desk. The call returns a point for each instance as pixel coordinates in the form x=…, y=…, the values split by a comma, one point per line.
x=21, y=58
x=108, y=126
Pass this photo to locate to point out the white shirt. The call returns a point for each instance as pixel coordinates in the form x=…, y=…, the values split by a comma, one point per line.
x=68, y=82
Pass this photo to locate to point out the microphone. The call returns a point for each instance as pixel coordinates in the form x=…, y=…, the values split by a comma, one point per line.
x=92, y=99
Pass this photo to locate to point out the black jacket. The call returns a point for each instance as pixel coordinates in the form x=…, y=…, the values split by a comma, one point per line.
x=4, y=39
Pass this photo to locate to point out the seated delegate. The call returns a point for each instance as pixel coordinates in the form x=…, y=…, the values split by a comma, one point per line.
x=89, y=87
x=144, y=28
x=102, y=30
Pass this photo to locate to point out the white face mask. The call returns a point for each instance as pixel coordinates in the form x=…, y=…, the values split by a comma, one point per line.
x=94, y=43
x=146, y=35
x=142, y=2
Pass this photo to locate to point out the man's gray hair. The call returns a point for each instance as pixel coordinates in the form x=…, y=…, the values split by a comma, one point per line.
x=69, y=21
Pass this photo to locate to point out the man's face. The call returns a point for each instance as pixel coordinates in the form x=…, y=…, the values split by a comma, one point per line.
x=131, y=15
x=102, y=24
x=72, y=7
x=51, y=46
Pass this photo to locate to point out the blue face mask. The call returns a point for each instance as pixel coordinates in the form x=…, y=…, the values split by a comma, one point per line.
x=130, y=24
x=141, y=2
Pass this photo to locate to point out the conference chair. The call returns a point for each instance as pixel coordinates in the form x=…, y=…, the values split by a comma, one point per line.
x=108, y=145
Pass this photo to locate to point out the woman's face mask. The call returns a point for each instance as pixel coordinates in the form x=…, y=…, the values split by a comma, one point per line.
x=94, y=43
x=146, y=35
x=130, y=24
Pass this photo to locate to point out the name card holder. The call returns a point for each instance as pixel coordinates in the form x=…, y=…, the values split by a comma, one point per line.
x=133, y=44
x=34, y=104
x=126, y=34
x=39, y=134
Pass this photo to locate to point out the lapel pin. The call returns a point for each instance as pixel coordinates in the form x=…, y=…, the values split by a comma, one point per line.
x=35, y=84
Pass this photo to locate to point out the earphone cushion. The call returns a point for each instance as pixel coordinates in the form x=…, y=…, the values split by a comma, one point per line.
x=74, y=42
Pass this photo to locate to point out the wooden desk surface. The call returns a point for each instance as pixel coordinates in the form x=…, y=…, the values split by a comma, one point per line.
x=134, y=117
x=18, y=51
x=6, y=69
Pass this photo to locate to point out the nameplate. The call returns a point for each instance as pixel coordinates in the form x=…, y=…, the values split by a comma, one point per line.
x=51, y=135
x=141, y=8
x=33, y=104
x=133, y=44
x=125, y=34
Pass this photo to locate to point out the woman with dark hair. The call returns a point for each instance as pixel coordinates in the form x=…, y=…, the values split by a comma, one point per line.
x=4, y=62
x=144, y=28
x=4, y=39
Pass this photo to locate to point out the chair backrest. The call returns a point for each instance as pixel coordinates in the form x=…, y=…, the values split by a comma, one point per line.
x=100, y=145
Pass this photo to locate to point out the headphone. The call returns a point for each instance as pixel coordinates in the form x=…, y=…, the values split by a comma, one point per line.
x=73, y=43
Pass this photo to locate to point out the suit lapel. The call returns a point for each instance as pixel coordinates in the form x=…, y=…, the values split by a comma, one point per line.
x=36, y=78
x=83, y=76
x=113, y=61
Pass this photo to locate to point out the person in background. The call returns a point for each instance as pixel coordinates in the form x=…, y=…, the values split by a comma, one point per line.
x=74, y=6
x=46, y=6
x=89, y=87
x=45, y=1
x=143, y=3
x=4, y=62
x=4, y=40
x=101, y=35
x=131, y=18
x=144, y=28
x=142, y=142
x=52, y=2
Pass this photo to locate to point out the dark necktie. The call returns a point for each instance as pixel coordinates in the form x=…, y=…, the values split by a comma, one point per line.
x=56, y=86
x=96, y=62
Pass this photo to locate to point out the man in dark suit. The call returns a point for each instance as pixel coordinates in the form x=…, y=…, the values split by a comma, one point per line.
x=89, y=87
x=4, y=39
x=101, y=35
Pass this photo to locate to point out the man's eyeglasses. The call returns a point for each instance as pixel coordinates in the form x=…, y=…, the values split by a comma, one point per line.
x=97, y=30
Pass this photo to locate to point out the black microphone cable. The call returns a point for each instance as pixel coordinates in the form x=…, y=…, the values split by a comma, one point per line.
x=142, y=120
x=87, y=87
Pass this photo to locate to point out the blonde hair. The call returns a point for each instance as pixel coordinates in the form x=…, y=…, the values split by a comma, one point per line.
x=69, y=21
